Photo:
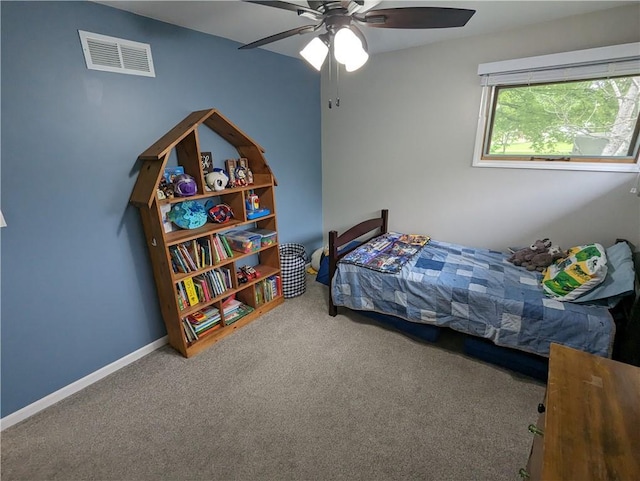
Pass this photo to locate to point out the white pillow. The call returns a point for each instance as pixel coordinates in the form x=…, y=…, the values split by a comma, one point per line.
x=584, y=268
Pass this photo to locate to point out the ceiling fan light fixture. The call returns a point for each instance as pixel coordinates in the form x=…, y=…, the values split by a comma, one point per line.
x=347, y=47
x=315, y=52
x=357, y=61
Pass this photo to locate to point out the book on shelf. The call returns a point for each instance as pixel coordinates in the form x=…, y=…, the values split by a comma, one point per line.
x=226, y=245
x=227, y=276
x=218, y=282
x=178, y=263
x=203, y=315
x=210, y=311
x=203, y=326
x=183, y=297
x=196, y=317
x=209, y=249
x=267, y=289
x=212, y=292
x=203, y=319
x=208, y=331
x=202, y=287
x=238, y=313
x=258, y=293
x=186, y=257
x=222, y=277
x=190, y=289
x=182, y=300
x=198, y=289
x=205, y=252
x=231, y=306
x=195, y=331
x=228, y=300
x=189, y=331
x=226, y=273
x=215, y=278
x=217, y=249
x=194, y=250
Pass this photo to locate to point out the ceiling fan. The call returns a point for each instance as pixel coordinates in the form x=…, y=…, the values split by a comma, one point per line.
x=340, y=19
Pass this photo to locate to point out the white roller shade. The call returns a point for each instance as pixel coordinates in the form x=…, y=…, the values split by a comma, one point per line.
x=612, y=61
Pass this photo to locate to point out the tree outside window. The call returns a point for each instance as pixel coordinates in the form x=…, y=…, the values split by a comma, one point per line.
x=594, y=120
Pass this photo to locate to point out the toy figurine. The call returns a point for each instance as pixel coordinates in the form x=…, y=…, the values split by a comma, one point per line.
x=165, y=190
x=241, y=176
x=242, y=277
x=249, y=272
x=217, y=179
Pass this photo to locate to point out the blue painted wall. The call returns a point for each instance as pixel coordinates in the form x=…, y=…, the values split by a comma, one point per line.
x=77, y=286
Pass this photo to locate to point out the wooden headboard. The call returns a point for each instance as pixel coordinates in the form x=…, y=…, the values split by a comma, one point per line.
x=370, y=228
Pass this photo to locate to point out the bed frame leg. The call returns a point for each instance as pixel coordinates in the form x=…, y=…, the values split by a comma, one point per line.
x=333, y=261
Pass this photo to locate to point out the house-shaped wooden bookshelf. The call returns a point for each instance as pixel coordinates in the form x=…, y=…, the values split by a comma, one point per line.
x=184, y=138
x=260, y=294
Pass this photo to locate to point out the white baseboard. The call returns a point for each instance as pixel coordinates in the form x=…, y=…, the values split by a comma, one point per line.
x=78, y=385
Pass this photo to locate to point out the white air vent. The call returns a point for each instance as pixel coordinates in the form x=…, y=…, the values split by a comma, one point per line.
x=112, y=54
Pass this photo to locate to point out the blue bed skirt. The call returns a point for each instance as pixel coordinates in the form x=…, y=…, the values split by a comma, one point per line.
x=524, y=363
x=424, y=332
x=521, y=362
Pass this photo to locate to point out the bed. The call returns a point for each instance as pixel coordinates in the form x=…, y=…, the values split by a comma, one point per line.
x=473, y=291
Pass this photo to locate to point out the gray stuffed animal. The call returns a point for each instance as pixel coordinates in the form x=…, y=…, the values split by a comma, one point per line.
x=526, y=254
x=540, y=262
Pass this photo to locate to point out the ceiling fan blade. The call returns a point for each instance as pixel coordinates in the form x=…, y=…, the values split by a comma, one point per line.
x=280, y=36
x=292, y=7
x=314, y=4
x=359, y=6
x=416, y=17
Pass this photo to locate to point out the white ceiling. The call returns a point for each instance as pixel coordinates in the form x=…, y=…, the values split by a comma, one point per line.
x=247, y=22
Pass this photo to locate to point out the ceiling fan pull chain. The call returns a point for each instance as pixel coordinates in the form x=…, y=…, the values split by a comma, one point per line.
x=330, y=71
x=337, y=84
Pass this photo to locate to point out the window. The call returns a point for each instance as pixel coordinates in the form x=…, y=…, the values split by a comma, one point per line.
x=576, y=110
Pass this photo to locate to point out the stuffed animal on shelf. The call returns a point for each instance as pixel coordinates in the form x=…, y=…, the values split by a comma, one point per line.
x=165, y=190
x=526, y=254
x=217, y=179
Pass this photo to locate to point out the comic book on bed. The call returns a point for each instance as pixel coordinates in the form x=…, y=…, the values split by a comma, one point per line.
x=388, y=252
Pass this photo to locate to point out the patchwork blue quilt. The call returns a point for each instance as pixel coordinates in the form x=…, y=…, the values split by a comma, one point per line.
x=477, y=292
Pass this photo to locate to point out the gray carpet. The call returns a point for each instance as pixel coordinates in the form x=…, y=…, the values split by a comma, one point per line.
x=295, y=395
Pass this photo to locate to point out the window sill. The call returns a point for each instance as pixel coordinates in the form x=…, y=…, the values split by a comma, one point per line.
x=557, y=165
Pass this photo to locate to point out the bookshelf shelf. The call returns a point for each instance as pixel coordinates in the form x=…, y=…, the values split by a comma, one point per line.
x=207, y=274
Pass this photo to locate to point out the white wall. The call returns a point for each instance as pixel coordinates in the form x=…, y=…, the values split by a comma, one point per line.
x=404, y=134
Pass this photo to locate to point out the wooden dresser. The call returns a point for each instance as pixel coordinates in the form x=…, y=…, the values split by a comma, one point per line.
x=589, y=425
